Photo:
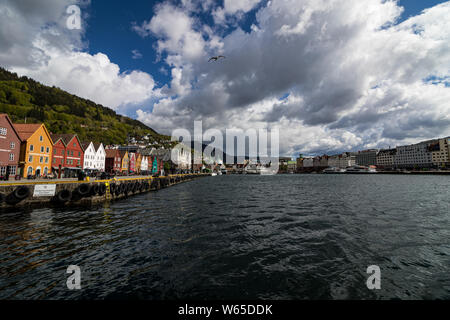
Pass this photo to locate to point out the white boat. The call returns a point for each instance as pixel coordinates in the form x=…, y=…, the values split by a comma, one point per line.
x=213, y=174
x=333, y=170
x=361, y=169
x=268, y=171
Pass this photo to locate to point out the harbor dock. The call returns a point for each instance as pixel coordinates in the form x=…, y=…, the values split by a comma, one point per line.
x=72, y=193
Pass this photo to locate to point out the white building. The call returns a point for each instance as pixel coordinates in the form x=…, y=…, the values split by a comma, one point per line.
x=415, y=155
x=347, y=159
x=144, y=163
x=181, y=156
x=385, y=158
x=100, y=157
x=333, y=161
x=89, y=155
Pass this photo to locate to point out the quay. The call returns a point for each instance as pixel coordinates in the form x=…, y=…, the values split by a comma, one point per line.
x=72, y=193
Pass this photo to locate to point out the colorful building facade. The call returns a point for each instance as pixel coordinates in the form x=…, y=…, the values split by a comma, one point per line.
x=67, y=152
x=113, y=161
x=9, y=147
x=36, y=149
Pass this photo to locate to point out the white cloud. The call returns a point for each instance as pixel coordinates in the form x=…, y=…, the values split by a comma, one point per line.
x=136, y=54
x=94, y=77
x=35, y=42
x=356, y=75
x=233, y=6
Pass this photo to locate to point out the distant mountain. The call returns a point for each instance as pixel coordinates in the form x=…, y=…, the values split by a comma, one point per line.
x=24, y=99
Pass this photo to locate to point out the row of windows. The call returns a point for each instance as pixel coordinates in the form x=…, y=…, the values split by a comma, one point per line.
x=41, y=159
x=30, y=171
x=47, y=150
x=12, y=170
x=68, y=161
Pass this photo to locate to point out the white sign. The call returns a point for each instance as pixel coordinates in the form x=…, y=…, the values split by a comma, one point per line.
x=44, y=190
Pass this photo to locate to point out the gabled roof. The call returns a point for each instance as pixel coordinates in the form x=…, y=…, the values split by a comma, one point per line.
x=85, y=145
x=4, y=115
x=97, y=145
x=111, y=153
x=64, y=137
x=123, y=153
x=25, y=130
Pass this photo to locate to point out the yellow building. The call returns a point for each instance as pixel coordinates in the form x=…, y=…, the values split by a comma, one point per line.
x=125, y=166
x=138, y=163
x=36, y=149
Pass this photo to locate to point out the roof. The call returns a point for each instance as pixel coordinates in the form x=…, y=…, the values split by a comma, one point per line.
x=111, y=153
x=25, y=130
x=65, y=137
x=96, y=145
x=11, y=123
x=123, y=153
x=85, y=145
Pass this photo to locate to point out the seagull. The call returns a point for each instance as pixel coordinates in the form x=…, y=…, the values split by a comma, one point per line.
x=215, y=58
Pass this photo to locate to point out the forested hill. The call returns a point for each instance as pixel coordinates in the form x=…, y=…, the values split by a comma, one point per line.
x=24, y=99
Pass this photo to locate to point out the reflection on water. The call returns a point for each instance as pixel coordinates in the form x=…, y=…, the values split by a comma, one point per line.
x=274, y=237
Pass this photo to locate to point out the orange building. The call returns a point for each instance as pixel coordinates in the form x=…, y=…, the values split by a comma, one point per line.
x=125, y=161
x=36, y=149
x=138, y=163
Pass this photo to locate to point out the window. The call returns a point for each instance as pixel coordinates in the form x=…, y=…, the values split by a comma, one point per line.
x=12, y=145
x=55, y=151
x=42, y=149
x=74, y=144
x=41, y=159
x=30, y=170
x=12, y=170
x=31, y=147
x=48, y=150
x=41, y=138
x=3, y=171
x=11, y=157
x=30, y=159
x=79, y=153
x=3, y=131
x=68, y=152
x=78, y=162
x=46, y=159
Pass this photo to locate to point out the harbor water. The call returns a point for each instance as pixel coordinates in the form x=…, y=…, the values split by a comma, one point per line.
x=240, y=237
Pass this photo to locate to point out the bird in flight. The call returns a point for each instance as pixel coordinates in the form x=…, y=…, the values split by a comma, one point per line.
x=215, y=58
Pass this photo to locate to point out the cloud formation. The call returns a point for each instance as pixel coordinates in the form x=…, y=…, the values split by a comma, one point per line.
x=332, y=75
x=355, y=77
x=34, y=41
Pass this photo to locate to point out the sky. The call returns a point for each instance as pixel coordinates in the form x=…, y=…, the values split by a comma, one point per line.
x=331, y=75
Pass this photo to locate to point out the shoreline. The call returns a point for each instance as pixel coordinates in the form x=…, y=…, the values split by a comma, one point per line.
x=16, y=196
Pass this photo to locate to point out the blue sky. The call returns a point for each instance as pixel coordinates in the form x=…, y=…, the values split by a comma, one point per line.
x=109, y=31
x=328, y=74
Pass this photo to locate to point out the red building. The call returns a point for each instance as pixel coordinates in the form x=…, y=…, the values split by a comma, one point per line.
x=67, y=152
x=113, y=162
x=9, y=147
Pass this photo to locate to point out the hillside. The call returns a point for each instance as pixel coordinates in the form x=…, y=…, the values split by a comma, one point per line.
x=24, y=99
